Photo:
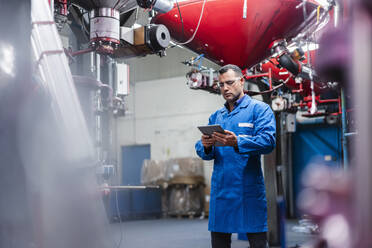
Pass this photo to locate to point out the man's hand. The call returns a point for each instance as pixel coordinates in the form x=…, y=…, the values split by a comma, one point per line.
x=207, y=141
x=227, y=139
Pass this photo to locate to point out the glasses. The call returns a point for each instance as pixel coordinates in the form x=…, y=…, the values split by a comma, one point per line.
x=228, y=83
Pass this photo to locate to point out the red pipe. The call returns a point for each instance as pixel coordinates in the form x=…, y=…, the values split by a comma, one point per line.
x=79, y=52
x=256, y=75
x=339, y=105
x=299, y=90
x=267, y=74
x=329, y=100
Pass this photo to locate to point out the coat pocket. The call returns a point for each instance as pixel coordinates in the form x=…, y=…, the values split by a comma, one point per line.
x=245, y=132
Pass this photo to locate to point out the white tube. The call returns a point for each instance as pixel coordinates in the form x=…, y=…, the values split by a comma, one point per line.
x=52, y=7
x=163, y=6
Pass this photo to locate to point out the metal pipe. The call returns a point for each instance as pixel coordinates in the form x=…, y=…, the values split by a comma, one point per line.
x=304, y=10
x=291, y=203
x=52, y=7
x=245, y=10
x=80, y=52
x=310, y=27
x=338, y=13
x=313, y=108
x=111, y=132
x=114, y=123
x=130, y=187
x=92, y=67
x=351, y=134
x=266, y=74
x=345, y=151
x=98, y=67
x=270, y=79
x=110, y=72
x=98, y=109
x=362, y=74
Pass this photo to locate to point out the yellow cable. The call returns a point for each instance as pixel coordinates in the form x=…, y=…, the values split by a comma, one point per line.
x=318, y=14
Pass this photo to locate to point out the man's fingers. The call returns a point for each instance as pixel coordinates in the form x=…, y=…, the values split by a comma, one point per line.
x=221, y=136
x=221, y=140
x=218, y=134
x=209, y=141
x=226, y=138
x=229, y=132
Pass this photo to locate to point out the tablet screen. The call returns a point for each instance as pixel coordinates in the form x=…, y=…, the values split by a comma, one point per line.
x=210, y=129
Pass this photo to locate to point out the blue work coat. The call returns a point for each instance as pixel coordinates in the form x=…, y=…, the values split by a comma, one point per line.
x=238, y=197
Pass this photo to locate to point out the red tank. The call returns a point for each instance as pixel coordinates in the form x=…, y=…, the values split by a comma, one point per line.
x=225, y=36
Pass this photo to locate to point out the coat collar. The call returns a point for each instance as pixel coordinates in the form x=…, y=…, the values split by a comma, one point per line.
x=242, y=103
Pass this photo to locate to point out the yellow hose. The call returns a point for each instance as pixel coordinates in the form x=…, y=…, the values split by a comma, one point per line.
x=318, y=14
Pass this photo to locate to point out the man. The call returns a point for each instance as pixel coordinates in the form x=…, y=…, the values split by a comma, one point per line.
x=238, y=201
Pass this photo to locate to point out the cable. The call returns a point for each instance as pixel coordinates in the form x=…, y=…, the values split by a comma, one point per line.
x=116, y=4
x=197, y=27
x=255, y=93
x=318, y=14
x=304, y=9
x=82, y=19
x=179, y=11
x=120, y=224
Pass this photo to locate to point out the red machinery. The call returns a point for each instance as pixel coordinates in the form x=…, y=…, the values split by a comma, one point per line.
x=300, y=84
x=231, y=32
x=280, y=74
x=238, y=32
x=245, y=33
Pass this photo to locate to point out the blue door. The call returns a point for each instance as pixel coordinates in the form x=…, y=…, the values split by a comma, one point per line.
x=316, y=141
x=132, y=158
x=135, y=203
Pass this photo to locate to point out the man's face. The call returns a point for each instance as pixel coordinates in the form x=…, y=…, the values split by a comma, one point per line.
x=232, y=87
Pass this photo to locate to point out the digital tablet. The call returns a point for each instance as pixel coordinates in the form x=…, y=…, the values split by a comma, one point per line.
x=210, y=129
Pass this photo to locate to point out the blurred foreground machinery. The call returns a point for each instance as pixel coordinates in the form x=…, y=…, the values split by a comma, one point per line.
x=341, y=202
x=107, y=31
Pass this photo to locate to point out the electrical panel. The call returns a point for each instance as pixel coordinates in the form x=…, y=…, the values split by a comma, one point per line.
x=122, y=79
x=290, y=123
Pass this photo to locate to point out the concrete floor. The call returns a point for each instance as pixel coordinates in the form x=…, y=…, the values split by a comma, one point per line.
x=180, y=233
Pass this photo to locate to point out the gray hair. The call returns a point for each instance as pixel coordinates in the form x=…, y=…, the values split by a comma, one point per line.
x=234, y=68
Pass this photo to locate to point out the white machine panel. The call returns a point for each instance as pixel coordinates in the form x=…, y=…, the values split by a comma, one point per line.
x=290, y=123
x=122, y=79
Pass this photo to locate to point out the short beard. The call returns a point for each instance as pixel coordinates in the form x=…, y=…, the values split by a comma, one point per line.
x=234, y=99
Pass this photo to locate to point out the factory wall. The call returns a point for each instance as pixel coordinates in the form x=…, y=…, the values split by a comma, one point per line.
x=165, y=113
